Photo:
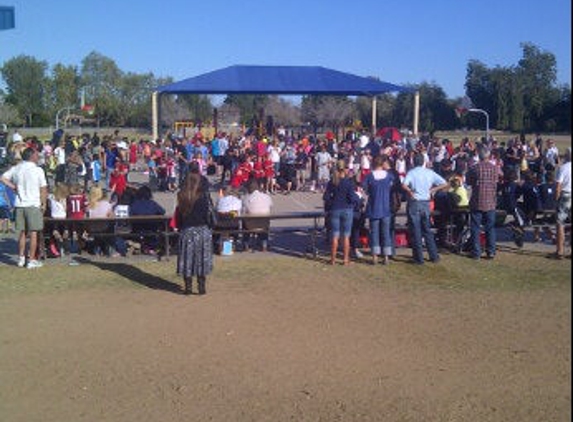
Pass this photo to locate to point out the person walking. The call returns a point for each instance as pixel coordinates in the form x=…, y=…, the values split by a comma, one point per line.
x=483, y=178
x=420, y=185
x=339, y=201
x=563, y=193
x=195, y=257
x=29, y=183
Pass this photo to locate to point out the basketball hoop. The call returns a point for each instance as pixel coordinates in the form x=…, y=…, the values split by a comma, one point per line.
x=461, y=111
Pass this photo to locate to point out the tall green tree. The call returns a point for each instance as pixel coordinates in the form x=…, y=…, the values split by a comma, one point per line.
x=133, y=96
x=537, y=71
x=478, y=85
x=63, y=88
x=101, y=78
x=518, y=98
x=436, y=112
x=25, y=79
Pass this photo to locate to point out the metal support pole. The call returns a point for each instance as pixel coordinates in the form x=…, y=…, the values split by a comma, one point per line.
x=155, y=115
x=374, y=116
x=485, y=113
x=416, y=113
x=58, y=115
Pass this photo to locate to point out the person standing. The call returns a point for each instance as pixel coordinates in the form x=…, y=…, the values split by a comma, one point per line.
x=483, y=178
x=563, y=193
x=29, y=183
x=378, y=185
x=195, y=257
x=339, y=201
x=420, y=185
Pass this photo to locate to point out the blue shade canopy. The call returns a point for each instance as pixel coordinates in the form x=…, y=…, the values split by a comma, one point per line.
x=7, y=17
x=280, y=80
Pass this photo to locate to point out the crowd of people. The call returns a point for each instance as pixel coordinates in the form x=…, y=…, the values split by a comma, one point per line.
x=364, y=181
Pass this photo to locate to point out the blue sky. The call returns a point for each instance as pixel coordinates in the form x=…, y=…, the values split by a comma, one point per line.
x=399, y=41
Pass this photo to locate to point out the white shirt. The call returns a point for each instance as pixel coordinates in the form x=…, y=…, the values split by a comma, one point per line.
x=101, y=209
x=228, y=204
x=365, y=162
x=60, y=154
x=57, y=208
x=323, y=158
x=563, y=177
x=257, y=203
x=274, y=153
x=551, y=155
x=29, y=179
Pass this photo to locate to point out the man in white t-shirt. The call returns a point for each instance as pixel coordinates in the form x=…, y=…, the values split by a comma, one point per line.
x=29, y=183
x=563, y=193
x=257, y=203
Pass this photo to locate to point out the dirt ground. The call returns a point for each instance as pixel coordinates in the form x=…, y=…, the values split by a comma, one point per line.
x=318, y=343
x=280, y=338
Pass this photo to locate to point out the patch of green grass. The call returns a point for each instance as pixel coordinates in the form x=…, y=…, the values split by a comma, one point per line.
x=510, y=271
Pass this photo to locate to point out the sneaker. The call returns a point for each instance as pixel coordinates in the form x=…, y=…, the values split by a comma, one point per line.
x=34, y=264
x=22, y=261
x=359, y=254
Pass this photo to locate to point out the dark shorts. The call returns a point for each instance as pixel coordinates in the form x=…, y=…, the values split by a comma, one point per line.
x=5, y=213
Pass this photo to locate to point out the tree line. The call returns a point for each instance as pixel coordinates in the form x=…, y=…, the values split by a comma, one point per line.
x=521, y=98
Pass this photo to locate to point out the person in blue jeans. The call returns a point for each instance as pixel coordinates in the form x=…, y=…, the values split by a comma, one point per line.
x=339, y=201
x=378, y=185
x=420, y=185
x=483, y=178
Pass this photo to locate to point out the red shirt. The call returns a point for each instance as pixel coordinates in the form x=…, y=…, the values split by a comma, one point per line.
x=76, y=206
x=118, y=179
x=259, y=170
x=133, y=153
x=269, y=168
x=261, y=148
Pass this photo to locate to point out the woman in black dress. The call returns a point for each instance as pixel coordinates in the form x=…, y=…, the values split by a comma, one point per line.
x=195, y=258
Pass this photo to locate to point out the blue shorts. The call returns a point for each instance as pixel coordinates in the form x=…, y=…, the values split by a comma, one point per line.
x=5, y=213
x=341, y=222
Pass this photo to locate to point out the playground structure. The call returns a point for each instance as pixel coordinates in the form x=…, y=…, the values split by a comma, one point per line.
x=190, y=129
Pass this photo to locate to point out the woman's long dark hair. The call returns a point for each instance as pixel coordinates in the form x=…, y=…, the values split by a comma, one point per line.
x=189, y=193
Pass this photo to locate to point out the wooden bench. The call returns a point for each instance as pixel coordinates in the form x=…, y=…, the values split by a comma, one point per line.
x=229, y=226
x=165, y=232
x=112, y=227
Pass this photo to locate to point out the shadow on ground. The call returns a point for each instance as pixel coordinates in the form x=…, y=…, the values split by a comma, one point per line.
x=132, y=273
x=8, y=250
